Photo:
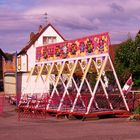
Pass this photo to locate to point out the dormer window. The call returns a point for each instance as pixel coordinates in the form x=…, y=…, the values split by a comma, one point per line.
x=49, y=40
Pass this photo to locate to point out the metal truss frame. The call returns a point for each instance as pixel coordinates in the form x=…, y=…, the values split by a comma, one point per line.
x=72, y=64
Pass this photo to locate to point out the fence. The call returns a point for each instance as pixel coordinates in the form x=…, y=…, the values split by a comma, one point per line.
x=133, y=99
x=5, y=105
x=36, y=107
x=2, y=97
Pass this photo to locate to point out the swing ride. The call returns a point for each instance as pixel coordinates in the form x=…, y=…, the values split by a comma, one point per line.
x=81, y=77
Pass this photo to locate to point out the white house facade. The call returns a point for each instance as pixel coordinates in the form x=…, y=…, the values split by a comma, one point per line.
x=26, y=60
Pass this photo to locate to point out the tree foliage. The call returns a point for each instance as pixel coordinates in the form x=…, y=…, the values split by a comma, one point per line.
x=127, y=60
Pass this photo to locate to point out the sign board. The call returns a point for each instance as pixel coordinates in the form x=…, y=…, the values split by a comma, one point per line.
x=91, y=45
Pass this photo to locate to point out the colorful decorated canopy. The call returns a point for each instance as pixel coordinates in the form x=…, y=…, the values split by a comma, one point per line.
x=90, y=45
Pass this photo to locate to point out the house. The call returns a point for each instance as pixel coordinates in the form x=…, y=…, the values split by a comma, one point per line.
x=27, y=56
x=9, y=73
x=112, y=51
x=2, y=58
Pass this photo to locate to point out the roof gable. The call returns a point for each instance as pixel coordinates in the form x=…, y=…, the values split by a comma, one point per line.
x=2, y=53
x=36, y=36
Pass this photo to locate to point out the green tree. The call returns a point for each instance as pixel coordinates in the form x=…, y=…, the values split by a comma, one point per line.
x=127, y=60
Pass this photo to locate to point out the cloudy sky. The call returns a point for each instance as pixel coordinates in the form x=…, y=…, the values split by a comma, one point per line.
x=73, y=19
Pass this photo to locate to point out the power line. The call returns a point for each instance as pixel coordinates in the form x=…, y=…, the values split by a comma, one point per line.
x=24, y=18
x=21, y=15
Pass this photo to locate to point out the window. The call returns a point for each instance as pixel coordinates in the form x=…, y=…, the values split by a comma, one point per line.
x=19, y=63
x=49, y=40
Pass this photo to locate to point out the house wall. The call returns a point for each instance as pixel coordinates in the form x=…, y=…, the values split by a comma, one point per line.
x=1, y=73
x=31, y=53
x=9, y=70
x=22, y=62
x=10, y=84
x=48, y=32
x=0, y=67
x=32, y=86
x=112, y=51
x=19, y=83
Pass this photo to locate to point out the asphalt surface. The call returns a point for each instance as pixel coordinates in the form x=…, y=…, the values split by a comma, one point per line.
x=51, y=128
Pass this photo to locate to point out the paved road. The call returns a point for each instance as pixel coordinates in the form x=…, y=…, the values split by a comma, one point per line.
x=63, y=129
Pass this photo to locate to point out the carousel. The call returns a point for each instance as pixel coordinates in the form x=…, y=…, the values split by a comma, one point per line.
x=81, y=77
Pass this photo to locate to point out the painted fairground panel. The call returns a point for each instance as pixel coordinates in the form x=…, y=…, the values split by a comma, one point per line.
x=91, y=45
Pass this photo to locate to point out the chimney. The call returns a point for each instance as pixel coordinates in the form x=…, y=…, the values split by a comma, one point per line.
x=32, y=34
x=40, y=28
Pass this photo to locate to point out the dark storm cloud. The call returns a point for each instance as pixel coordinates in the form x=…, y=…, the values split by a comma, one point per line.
x=116, y=8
